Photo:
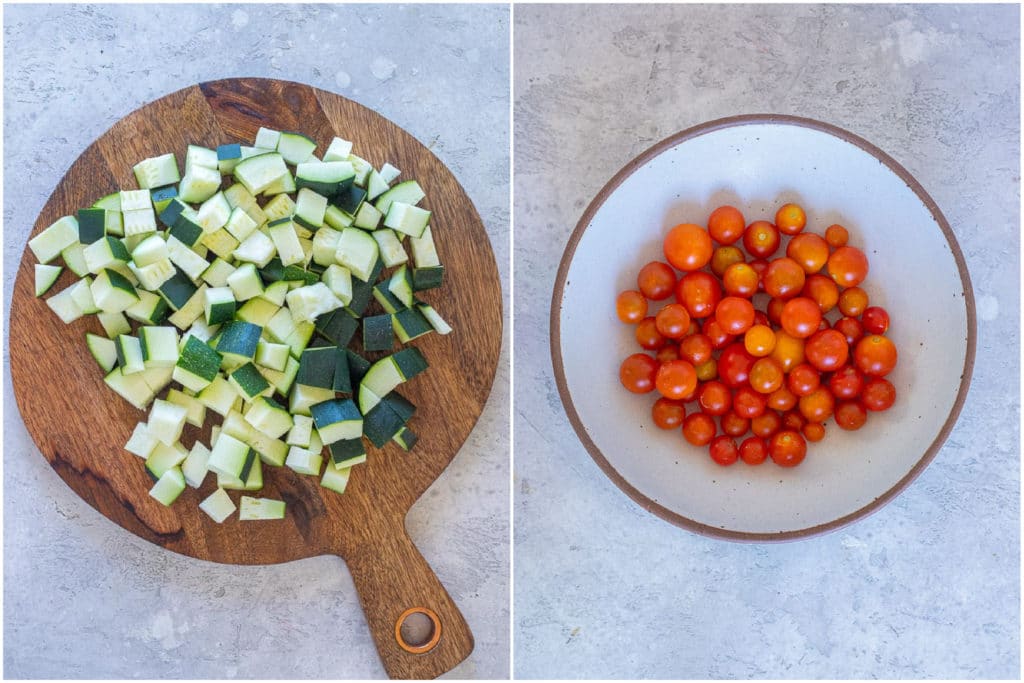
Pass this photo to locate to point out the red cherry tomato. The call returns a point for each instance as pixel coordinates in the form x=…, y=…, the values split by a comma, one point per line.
x=667, y=353
x=735, y=315
x=740, y=279
x=725, y=224
x=766, y=424
x=734, y=425
x=827, y=350
x=699, y=428
x=734, y=365
x=656, y=281
x=850, y=328
x=668, y=414
x=672, y=321
x=647, y=335
x=714, y=398
x=718, y=336
x=637, y=373
x=700, y=293
x=846, y=383
x=766, y=376
x=875, y=355
x=696, y=348
x=787, y=448
x=754, y=450
x=749, y=404
x=676, y=379
x=836, y=236
x=784, y=278
x=688, y=247
x=848, y=266
x=803, y=379
x=822, y=290
x=631, y=306
x=878, y=394
x=875, y=320
x=850, y=415
x=800, y=317
x=782, y=399
x=761, y=239
x=809, y=250
x=724, y=450
x=813, y=431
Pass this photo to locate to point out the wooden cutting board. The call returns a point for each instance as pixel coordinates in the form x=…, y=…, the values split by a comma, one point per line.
x=81, y=426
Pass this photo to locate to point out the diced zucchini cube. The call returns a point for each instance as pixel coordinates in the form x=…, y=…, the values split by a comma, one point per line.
x=197, y=366
x=239, y=338
x=304, y=461
x=141, y=442
x=337, y=419
x=192, y=310
x=257, y=311
x=256, y=248
x=64, y=305
x=220, y=242
x=295, y=147
x=169, y=486
x=216, y=274
x=316, y=367
x=155, y=275
x=310, y=207
x=214, y=213
x=91, y=225
x=267, y=138
x=338, y=150
x=408, y=219
x=48, y=244
x=346, y=453
x=166, y=420
x=195, y=411
x=427, y=278
x=358, y=251
x=131, y=388
x=218, y=305
x=275, y=293
x=81, y=294
x=382, y=423
x=104, y=253
x=268, y=417
x=410, y=324
x=139, y=221
x=228, y=157
x=133, y=200
x=177, y=290
x=114, y=324
x=159, y=346
x=199, y=184
x=272, y=356
x=195, y=465
x=368, y=217
x=299, y=434
x=218, y=506
x=286, y=242
x=307, y=303
x=112, y=292
x=406, y=438
x=219, y=395
x=392, y=253
x=378, y=334
x=400, y=284
x=203, y=157
x=434, y=318
x=249, y=383
x=257, y=173
x=129, y=354
x=325, y=244
x=228, y=456
x=375, y=185
x=280, y=326
x=157, y=171
x=254, y=509
x=188, y=261
x=240, y=224
x=282, y=381
x=45, y=276
x=302, y=398
x=335, y=479
x=339, y=280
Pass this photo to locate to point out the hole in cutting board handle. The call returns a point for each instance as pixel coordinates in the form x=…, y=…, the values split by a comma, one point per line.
x=418, y=630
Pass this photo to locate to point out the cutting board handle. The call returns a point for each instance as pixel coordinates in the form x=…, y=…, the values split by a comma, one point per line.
x=396, y=586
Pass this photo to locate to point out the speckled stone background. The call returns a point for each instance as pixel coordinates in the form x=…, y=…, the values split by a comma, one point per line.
x=926, y=587
x=82, y=597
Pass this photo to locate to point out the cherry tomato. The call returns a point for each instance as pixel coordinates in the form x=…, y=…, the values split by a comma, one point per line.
x=700, y=293
x=714, y=398
x=801, y=317
x=774, y=310
x=676, y=379
x=848, y=266
x=667, y=353
x=818, y=405
x=766, y=376
x=822, y=290
x=784, y=278
x=734, y=425
x=878, y=394
x=793, y=420
x=668, y=414
x=740, y=279
x=813, y=431
x=723, y=257
x=637, y=373
x=875, y=355
x=754, y=450
x=735, y=315
x=875, y=320
x=850, y=415
x=759, y=265
x=672, y=321
x=656, y=281
x=726, y=224
x=718, y=336
x=836, y=236
x=734, y=365
x=808, y=250
x=688, y=247
x=749, y=404
x=724, y=450
x=761, y=239
x=853, y=301
x=790, y=219
x=708, y=370
x=766, y=424
x=846, y=383
x=759, y=341
x=696, y=348
x=789, y=350
x=827, y=350
x=850, y=328
x=782, y=399
x=699, y=428
x=647, y=334
x=803, y=379
x=787, y=448
x=631, y=306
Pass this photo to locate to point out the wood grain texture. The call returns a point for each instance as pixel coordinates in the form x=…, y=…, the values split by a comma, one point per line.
x=81, y=426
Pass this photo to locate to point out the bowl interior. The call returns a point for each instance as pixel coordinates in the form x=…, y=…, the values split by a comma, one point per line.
x=914, y=274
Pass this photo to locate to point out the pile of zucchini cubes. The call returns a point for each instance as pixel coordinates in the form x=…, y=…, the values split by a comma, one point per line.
x=245, y=301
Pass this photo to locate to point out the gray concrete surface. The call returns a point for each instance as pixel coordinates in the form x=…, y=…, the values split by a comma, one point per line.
x=928, y=586
x=85, y=599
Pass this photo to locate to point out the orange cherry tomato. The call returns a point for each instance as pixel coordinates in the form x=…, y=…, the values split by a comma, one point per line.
x=668, y=414
x=784, y=278
x=754, y=450
x=734, y=425
x=813, y=431
x=789, y=350
x=696, y=348
x=790, y=219
x=851, y=415
x=714, y=398
x=735, y=315
x=699, y=428
x=804, y=379
x=809, y=250
x=726, y=224
x=818, y=405
x=782, y=399
x=749, y=404
x=631, y=306
x=637, y=373
x=878, y=394
x=761, y=239
x=656, y=281
x=822, y=290
x=740, y=279
x=787, y=448
x=801, y=317
x=853, y=301
x=827, y=350
x=723, y=257
x=700, y=293
x=647, y=335
x=836, y=236
x=672, y=321
x=759, y=341
x=676, y=379
x=766, y=376
x=724, y=450
x=875, y=355
x=848, y=266
x=688, y=247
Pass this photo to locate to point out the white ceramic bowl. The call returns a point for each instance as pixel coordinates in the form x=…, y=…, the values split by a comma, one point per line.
x=917, y=273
